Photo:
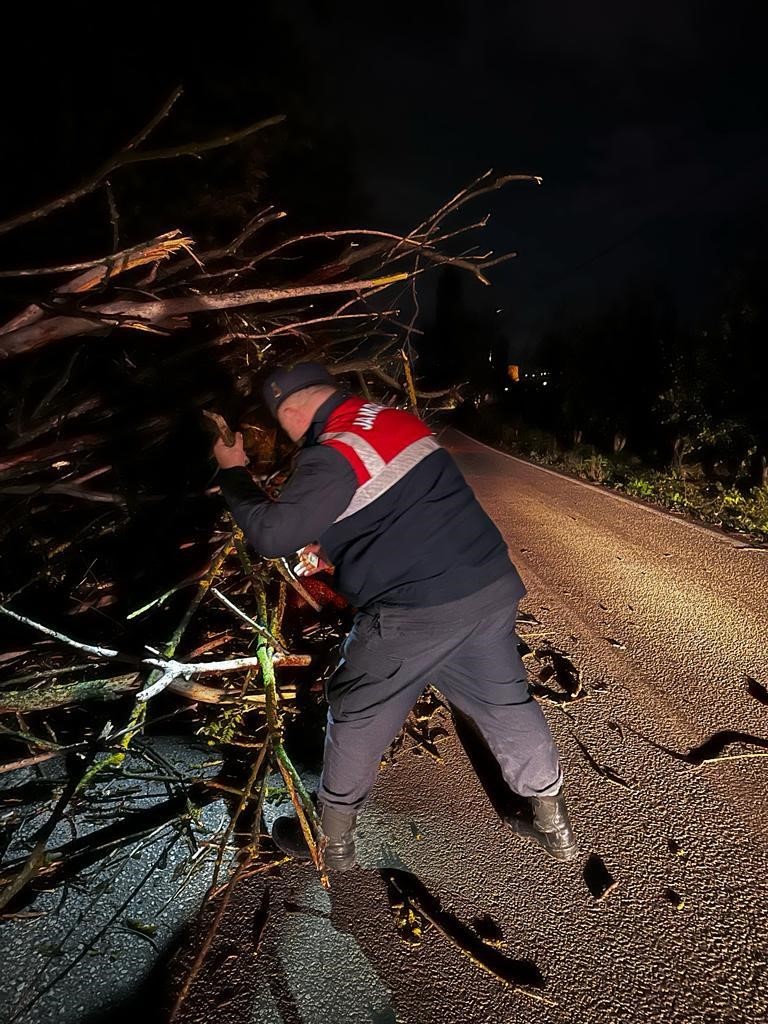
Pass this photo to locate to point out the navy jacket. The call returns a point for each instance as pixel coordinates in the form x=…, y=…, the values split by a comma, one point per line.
x=421, y=541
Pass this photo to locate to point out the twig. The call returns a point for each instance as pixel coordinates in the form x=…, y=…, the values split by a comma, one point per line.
x=102, y=652
x=28, y=762
x=709, y=761
x=261, y=630
x=305, y=811
x=25, y=1007
x=267, y=216
x=411, y=390
x=114, y=216
x=159, y=600
x=243, y=870
x=37, y=741
x=282, y=567
x=154, y=121
x=292, y=328
x=37, y=857
x=472, y=192
x=436, y=919
x=138, y=714
x=245, y=797
x=71, y=491
x=29, y=677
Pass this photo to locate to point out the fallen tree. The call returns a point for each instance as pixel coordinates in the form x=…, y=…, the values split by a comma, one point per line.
x=105, y=378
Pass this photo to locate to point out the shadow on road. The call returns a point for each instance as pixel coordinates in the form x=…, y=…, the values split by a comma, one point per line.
x=710, y=750
x=508, y=805
x=148, y=1003
x=409, y=898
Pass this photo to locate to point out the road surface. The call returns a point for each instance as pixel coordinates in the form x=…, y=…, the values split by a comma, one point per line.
x=666, y=622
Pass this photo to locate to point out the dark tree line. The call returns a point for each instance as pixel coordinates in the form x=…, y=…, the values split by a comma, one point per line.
x=634, y=375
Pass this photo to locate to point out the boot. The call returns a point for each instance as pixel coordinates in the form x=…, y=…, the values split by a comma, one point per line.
x=338, y=829
x=551, y=827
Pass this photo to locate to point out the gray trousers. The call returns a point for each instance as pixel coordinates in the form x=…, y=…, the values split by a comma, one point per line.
x=468, y=650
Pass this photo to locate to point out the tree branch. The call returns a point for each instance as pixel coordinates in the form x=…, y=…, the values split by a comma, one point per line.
x=129, y=155
x=146, y=314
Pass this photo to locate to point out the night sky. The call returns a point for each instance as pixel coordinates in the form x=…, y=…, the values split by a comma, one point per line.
x=646, y=121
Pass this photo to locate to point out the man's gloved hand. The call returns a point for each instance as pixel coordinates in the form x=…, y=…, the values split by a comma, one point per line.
x=234, y=455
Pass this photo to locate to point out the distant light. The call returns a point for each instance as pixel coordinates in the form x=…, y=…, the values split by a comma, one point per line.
x=506, y=389
x=544, y=383
x=60, y=465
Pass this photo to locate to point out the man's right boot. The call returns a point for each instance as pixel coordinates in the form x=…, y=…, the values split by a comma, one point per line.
x=338, y=829
x=552, y=828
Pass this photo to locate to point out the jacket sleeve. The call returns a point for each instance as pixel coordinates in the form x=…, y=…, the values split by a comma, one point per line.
x=319, y=489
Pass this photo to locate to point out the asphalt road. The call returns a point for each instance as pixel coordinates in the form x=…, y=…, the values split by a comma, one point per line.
x=665, y=621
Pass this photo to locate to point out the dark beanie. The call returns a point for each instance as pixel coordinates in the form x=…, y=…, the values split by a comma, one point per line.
x=287, y=380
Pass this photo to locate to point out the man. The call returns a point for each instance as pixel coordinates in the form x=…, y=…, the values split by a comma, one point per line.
x=435, y=592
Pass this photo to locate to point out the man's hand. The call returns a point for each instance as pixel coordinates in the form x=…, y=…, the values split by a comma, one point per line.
x=227, y=457
x=311, y=560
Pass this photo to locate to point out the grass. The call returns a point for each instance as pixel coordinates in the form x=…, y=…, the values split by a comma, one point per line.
x=685, y=491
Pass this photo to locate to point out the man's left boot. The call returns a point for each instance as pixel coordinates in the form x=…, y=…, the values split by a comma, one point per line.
x=339, y=832
x=338, y=829
x=551, y=827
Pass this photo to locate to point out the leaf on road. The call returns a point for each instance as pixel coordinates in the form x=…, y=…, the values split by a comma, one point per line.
x=617, y=727
x=677, y=901
x=676, y=849
x=559, y=666
x=142, y=927
x=600, y=881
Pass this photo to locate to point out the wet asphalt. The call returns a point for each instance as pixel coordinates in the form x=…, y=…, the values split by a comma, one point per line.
x=662, y=624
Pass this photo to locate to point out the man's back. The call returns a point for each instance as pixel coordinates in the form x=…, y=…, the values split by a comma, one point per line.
x=413, y=533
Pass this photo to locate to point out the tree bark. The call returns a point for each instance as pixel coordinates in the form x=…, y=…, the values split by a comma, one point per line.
x=154, y=314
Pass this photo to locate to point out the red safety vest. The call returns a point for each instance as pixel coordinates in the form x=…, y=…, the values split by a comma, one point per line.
x=380, y=444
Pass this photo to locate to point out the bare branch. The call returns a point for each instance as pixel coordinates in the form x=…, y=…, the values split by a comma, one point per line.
x=164, y=311
x=98, y=273
x=114, y=216
x=472, y=192
x=197, y=148
x=159, y=248
x=150, y=126
x=131, y=155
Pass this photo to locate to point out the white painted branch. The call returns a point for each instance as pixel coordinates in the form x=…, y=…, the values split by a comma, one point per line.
x=170, y=668
x=102, y=652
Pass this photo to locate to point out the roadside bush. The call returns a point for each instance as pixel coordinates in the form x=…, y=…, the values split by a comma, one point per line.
x=686, y=489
